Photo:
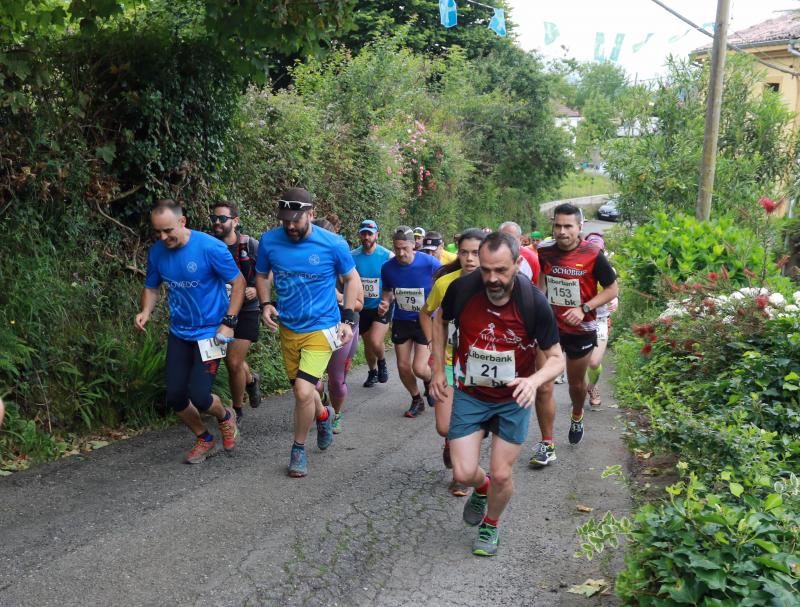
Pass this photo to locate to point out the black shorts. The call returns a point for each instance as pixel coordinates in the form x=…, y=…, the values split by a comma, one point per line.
x=403, y=330
x=578, y=346
x=367, y=317
x=187, y=376
x=248, y=325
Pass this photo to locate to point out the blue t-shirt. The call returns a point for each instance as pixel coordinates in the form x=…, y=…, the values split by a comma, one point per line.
x=411, y=284
x=195, y=275
x=305, y=276
x=369, y=268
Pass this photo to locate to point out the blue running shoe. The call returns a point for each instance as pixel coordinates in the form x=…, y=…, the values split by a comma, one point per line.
x=325, y=430
x=298, y=463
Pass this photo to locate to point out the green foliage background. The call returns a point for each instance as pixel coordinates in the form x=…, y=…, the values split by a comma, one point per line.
x=107, y=107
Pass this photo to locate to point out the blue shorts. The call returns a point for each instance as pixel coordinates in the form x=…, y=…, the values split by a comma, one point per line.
x=508, y=420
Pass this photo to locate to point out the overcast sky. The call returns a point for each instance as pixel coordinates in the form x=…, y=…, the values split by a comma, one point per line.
x=578, y=22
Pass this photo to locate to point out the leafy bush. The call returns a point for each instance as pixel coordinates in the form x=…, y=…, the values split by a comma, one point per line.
x=717, y=377
x=677, y=249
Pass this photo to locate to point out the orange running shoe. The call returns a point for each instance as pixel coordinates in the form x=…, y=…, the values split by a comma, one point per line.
x=229, y=430
x=201, y=451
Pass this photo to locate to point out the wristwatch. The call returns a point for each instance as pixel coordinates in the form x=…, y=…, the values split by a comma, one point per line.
x=586, y=309
x=231, y=320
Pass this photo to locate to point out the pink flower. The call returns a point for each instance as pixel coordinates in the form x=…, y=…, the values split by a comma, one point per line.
x=769, y=204
x=762, y=301
x=712, y=276
x=646, y=349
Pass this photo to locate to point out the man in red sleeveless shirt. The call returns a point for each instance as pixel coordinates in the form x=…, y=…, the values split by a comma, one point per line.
x=501, y=320
x=571, y=269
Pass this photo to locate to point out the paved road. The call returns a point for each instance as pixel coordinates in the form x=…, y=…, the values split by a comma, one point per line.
x=372, y=524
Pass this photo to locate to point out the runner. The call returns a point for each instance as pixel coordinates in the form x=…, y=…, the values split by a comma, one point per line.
x=195, y=267
x=433, y=244
x=466, y=262
x=305, y=262
x=604, y=312
x=500, y=320
x=225, y=225
x=407, y=279
x=419, y=235
x=341, y=359
x=369, y=258
x=571, y=270
x=536, y=238
x=529, y=264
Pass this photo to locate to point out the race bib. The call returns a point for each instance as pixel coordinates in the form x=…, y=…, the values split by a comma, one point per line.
x=564, y=291
x=489, y=368
x=602, y=329
x=332, y=335
x=370, y=286
x=211, y=350
x=410, y=300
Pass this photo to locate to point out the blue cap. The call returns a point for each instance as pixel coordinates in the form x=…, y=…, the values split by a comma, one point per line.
x=369, y=225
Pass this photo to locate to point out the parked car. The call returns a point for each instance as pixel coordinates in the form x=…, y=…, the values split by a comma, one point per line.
x=609, y=211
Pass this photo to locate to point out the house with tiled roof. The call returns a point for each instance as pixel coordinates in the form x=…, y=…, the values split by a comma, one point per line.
x=773, y=41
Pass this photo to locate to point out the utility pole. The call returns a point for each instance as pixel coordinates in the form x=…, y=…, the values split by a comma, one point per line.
x=713, y=107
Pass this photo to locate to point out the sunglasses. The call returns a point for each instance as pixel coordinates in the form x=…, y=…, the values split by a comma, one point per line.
x=220, y=218
x=295, y=205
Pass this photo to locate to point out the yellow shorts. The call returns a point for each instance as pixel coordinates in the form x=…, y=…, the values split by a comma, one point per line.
x=305, y=355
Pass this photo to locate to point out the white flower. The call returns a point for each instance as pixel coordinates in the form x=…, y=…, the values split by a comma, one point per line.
x=748, y=291
x=722, y=298
x=796, y=297
x=728, y=320
x=792, y=309
x=737, y=295
x=763, y=291
x=777, y=300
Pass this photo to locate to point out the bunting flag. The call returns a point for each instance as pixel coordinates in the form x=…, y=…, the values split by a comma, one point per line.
x=550, y=32
x=448, y=13
x=677, y=37
x=599, y=41
x=614, y=56
x=711, y=26
x=638, y=46
x=498, y=22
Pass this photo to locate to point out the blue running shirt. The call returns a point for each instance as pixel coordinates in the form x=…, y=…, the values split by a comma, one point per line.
x=305, y=276
x=369, y=268
x=411, y=284
x=195, y=275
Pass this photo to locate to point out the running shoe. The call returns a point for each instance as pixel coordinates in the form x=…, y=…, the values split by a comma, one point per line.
x=254, y=391
x=575, y=431
x=448, y=462
x=595, y=404
x=474, y=509
x=428, y=396
x=298, y=463
x=239, y=415
x=487, y=541
x=325, y=430
x=543, y=454
x=372, y=378
x=416, y=408
x=562, y=379
x=383, y=372
x=457, y=489
x=336, y=427
x=201, y=450
x=229, y=430
x=325, y=398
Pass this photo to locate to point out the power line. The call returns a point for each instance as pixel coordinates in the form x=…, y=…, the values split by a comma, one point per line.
x=731, y=46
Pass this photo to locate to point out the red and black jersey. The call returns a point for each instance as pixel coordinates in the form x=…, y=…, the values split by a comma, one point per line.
x=493, y=342
x=571, y=278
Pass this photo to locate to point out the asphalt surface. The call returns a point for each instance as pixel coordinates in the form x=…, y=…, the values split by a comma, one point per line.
x=372, y=524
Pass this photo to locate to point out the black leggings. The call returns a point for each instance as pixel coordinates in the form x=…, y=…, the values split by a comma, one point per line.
x=187, y=376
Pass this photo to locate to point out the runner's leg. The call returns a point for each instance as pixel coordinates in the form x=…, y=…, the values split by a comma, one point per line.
x=501, y=462
x=238, y=371
x=404, y=369
x=576, y=376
